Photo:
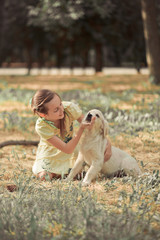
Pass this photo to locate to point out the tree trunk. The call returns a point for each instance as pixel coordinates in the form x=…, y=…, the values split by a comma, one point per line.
x=152, y=41
x=2, y=40
x=117, y=57
x=72, y=55
x=58, y=56
x=28, y=48
x=85, y=55
x=41, y=61
x=99, y=57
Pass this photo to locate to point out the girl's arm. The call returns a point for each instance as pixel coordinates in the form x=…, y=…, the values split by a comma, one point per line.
x=80, y=118
x=70, y=146
x=108, y=151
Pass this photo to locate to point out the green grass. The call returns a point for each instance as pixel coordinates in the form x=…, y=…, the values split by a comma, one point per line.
x=128, y=208
x=66, y=211
x=126, y=121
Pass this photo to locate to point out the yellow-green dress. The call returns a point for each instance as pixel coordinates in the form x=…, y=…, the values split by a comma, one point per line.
x=48, y=157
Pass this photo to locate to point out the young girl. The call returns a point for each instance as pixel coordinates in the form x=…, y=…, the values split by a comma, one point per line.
x=56, y=152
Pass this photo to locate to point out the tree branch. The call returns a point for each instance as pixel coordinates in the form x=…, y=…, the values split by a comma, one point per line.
x=18, y=142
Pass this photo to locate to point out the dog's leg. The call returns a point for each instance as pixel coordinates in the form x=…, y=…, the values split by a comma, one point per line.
x=92, y=172
x=130, y=166
x=76, y=168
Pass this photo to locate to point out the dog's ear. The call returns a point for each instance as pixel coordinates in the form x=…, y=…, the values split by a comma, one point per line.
x=105, y=128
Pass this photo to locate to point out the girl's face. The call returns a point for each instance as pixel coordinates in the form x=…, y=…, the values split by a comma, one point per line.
x=55, y=110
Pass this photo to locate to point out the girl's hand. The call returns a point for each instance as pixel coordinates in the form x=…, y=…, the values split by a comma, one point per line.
x=70, y=146
x=108, y=151
x=88, y=125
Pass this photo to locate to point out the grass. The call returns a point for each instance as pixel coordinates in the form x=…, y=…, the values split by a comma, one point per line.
x=55, y=210
x=118, y=208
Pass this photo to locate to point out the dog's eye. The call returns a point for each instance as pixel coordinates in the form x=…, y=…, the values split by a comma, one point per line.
x=97, y=115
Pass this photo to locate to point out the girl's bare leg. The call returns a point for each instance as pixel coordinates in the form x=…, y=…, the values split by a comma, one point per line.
x=42, y=175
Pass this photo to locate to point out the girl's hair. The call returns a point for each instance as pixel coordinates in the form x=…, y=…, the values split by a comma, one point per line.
x=40, y=98
x=38, y=105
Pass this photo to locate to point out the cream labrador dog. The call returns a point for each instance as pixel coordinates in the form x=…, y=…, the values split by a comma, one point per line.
x=92, y=148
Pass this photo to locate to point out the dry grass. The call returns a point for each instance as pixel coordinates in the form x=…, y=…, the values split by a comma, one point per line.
x=144, y=147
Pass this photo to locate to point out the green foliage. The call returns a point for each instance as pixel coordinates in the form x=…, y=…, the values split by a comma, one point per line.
x=14, y=15
x=62, y=211
x=12, y=120
x=133, y=121
x=130, y=122
x=50, y=13
x=77, y=26
x=88, y=99
x=143, y=196
x=65, y=211
x=19, y=95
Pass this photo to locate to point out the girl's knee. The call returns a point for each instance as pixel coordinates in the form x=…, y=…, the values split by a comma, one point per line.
x=43, y=175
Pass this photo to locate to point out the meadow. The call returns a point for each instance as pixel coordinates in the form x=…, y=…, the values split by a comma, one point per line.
x=118, y=208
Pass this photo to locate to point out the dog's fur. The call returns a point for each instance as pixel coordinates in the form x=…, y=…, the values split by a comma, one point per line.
x=92, y=148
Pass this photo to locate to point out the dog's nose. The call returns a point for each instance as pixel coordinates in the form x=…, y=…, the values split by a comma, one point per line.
x=89, y=117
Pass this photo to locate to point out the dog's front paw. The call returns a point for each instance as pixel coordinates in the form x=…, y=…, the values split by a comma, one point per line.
x=68, y=179
x=65, y=180
x=85, y=184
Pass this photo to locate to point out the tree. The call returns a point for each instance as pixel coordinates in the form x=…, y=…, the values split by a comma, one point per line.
x=151, y=35
x=95, y=20
x=4, y=49
x=77, y=25
x=56, y=18
x=124, y=34
x=16, y=35
x=72, y=33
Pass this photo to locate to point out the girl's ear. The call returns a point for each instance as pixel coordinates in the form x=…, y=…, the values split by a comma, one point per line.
x=41, y=114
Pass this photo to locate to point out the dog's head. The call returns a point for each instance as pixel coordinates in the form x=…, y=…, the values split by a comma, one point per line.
x=100, y=124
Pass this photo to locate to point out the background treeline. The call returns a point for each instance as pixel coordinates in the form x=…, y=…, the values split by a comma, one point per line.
x=72, y=33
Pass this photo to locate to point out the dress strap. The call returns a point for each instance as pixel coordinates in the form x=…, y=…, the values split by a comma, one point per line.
x=49, y=122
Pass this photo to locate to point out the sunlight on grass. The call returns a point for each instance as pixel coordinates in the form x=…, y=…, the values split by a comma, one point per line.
x=117, y=208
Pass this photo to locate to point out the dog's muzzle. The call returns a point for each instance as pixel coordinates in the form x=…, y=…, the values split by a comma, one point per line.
x=89, y=117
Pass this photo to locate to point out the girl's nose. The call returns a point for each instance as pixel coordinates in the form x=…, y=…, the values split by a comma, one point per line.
x=61, y=108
